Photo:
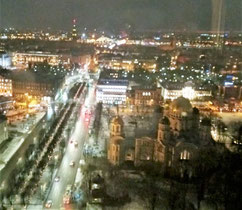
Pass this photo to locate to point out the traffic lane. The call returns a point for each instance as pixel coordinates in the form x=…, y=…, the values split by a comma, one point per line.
x=66, y=172
x=67, y=175
x=80, y=135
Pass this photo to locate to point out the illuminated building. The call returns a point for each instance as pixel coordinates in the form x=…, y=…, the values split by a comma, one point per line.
x=116, y=63
x=25, y=59
x=171, y=91
x=111, y=91
x=231, y=91
x=126, y=63
x=3, y=128
x=6, y=88
x=104, y=41
x=36, y=86
x=6, y=103
x=116, y=142
x=181, y=133
x=5, y=60
x=145, y=96
x=74, y=30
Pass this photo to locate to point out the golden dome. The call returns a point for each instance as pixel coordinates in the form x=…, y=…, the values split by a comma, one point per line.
x=117, y=120
x=181, y=104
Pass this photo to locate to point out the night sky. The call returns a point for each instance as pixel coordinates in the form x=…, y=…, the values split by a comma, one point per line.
x=116, y=14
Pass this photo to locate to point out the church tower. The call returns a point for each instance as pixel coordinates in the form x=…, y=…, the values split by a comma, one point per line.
x=163, y=130
x=205, y=131
x=116, y=126
x=116, y=152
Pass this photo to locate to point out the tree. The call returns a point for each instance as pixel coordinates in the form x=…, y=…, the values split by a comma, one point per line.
x=29, y=151
x=150, y=187
x=225, y=186
x=204, y=166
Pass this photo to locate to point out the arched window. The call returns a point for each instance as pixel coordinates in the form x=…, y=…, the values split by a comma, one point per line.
x=118, y=128
x=185, y=155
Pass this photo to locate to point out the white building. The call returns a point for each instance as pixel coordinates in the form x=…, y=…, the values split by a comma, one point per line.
x=5, y=60
x=111, y=91
x=171, y=91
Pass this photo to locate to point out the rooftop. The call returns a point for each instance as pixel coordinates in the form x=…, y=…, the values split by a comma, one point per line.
x=30, y=76
x=116, y=82
x=181, y=85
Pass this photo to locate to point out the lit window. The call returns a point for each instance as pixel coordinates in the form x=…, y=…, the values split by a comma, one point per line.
x=185, y=155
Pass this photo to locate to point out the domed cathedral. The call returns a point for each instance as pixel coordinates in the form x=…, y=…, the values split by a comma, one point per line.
x=116, y=148
x=182, y=116
x=180, y=131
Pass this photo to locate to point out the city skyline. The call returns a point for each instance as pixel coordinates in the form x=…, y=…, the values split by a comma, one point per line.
x=117, y=15
x=121, y=104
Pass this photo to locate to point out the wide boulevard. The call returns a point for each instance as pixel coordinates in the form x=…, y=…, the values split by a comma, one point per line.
x=73, y=152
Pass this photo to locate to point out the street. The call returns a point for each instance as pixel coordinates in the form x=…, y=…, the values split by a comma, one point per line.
x=74, y=153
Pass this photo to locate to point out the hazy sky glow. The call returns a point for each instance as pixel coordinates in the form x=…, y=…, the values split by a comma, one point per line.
x=115, y=14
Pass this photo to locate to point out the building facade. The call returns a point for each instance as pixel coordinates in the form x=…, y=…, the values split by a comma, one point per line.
x=5, y=60
x=22, y=59
x=127, y=63
x=3, y=128
x=36, y=86
x=111, y=91
x=181, y=132
x=171, y=91
x=145, y=96
x=6, y=87
x=6, y=103
x=228, y=92
x=116, y=146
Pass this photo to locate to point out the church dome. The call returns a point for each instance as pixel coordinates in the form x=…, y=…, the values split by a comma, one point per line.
x=181, y=104
x=117, y=120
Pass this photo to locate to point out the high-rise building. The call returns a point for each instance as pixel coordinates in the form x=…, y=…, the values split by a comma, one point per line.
x=74, y=30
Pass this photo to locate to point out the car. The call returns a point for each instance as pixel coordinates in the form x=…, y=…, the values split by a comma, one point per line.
x=48, y=204
x=72, y=163
x=75, y=144
x=57, y=179
x=67, y=195
x=88, y=112
x=82, y=162
x=96, y=196
x=87, y=119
